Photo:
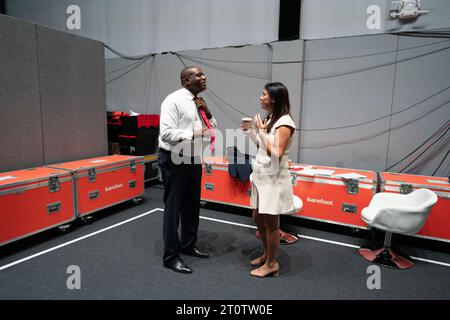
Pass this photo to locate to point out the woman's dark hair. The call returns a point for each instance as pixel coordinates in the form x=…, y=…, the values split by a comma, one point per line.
x=280, y=95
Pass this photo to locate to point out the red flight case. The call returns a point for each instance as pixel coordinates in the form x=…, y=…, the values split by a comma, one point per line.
x=219, y=187
x=333, y=195
x=105, y=181
x=437, y=226
x=33, y=200
x=326, y=197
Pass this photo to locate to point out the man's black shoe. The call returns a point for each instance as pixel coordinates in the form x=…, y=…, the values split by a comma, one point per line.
x=195, y=253
x=178, y=265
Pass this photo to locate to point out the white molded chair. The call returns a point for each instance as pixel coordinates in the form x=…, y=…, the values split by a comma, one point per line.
x=298, y=204
x=396, y=213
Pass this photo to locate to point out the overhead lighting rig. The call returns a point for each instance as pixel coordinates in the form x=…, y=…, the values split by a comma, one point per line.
x=407, y=9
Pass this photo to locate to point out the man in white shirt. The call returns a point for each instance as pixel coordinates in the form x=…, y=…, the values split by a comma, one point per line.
x=184, y=125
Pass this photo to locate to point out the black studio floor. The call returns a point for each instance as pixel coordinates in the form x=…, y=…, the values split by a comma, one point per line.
x=119, y=256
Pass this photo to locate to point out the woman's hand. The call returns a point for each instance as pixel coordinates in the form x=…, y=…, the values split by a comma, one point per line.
x=260, y=125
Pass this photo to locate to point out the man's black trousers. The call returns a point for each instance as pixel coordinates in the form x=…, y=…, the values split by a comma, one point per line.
x=182, y=183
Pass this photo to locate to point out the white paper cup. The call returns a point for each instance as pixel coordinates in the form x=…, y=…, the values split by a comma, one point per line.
x=246, y=123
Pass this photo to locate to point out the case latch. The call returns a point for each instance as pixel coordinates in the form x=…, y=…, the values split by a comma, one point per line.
x=406, y=188
x=92, y=175
x=352, y=186
x=294, y=179
x=132, y=184
x=132, y=165
x=53, y=184
x=208, y=169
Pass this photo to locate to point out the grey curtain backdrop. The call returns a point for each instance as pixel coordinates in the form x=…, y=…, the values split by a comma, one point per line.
x=361, y=98
x=136, y=27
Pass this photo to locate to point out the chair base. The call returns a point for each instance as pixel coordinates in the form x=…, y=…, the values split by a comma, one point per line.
x=285, y=238
x=386, y=257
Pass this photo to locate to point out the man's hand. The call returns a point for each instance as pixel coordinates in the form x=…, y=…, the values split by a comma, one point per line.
x=206, y=132
x=201, y=104
x=203, y=132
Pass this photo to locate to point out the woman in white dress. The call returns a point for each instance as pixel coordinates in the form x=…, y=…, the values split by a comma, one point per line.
x=272, y=193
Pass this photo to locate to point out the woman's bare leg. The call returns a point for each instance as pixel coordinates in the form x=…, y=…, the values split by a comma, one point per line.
x=271, y=266
x=272, y=225
x=259, y=221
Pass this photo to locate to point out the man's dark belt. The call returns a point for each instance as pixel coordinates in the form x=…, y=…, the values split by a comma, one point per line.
x=193, y=159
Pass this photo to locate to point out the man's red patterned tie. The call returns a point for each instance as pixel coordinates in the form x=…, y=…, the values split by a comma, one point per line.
x=199, y=102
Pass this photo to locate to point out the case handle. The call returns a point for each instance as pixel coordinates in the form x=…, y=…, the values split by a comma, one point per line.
x=94, y=195
x=53, y=207
x=209, y=186
x=350, y=208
